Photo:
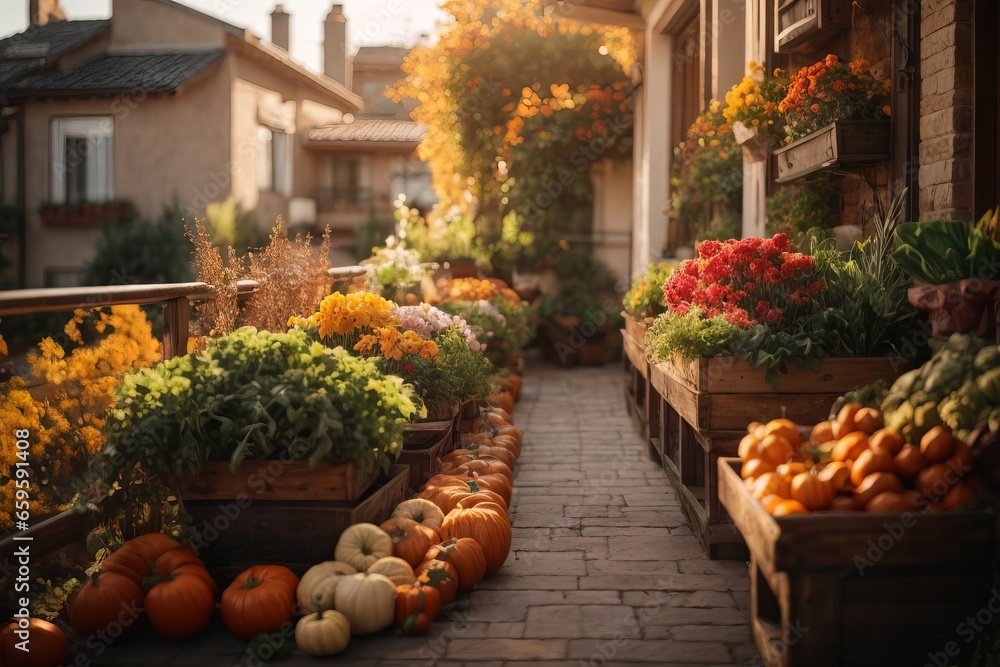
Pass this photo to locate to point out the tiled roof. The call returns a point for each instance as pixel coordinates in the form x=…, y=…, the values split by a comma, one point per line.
x=120, y=72
x=370, y=131
x=39, y=46
x=380, y=55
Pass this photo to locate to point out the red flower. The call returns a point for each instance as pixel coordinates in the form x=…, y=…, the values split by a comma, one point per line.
x=762, y=307
x=774, y=316
x=407, y=368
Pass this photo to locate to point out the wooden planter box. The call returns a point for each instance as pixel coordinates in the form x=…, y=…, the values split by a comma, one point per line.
x=468, y=419
x=806, y=26
x=274, y=479
x=704, y=411
x=845, y=141
x=859, y=588
x=296, y=530
x=424, y=443
x=637, y=386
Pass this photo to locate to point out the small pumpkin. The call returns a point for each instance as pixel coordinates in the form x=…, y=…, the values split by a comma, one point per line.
x=937, y=445
x=837, y=473
x=909, y=462
x=754, y=468
x=422, y=511
x=813, y=492
x=465, y=555
x=107, y=598
x=871, y=461
x=892, y=501
x=935, y=481
x=260, y=599
x=789, y=507
x=416, y=606
x=395, y=569
x=886, y=441
x=844, y=504
x=410, y=540
x=317, y=586
x=323, y=633
x=440, y=575
x=850, y=446
x=49, y=645
x=178, y=558
x=181, y=604
x=486, y=524
x=868, y=420
x=785, y=429
x=821, y=432
x=368, y=601
x=844, y=423
x=775, y=449
x=361, y=545
x=874, y=484
x=134, y=558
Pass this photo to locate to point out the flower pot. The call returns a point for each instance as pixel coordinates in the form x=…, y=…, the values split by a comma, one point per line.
x=962, y=306
x=277, y=479
x=845, y=141
x=757, y=147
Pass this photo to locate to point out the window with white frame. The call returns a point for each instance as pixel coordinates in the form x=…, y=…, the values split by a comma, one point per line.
x=274, y=161
x=82, y=159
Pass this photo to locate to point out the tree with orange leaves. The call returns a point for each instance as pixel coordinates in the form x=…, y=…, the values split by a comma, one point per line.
x=519, y=102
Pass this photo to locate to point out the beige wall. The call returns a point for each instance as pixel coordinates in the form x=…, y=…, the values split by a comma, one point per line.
x=613, y=214
x=148, y=26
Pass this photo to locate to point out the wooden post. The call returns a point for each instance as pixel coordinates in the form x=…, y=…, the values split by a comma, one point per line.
x=176, y=316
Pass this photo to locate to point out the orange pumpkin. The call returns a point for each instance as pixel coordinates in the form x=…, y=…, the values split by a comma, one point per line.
x=410, y=540
x=850, y=446
x=260, y=599
x=937, y=445
x=962, y=459
x=844, y=504
x=440, y=575
x=107, y=598
x=182, y=603
x=416, y=606
x=811, y=491
x=486, y=524
x=486, y=467
x=935, y=481
x=770, y=502
x=784, y=428
x=868, y=420
x=868, y=462
x=465, y=555
x=134, y=558
x=909, y=462
x=874, y=484
x=771, y=483
x=755, y=468
x=775, y=449
x=821, y=432
x=844, y=423
x=961, y=496
x=887, y=441
x=49, y=645
x=787, y=507
x=837, y=474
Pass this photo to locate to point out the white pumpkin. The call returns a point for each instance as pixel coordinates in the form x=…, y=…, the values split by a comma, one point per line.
x=368, y=601
x=361, y=545
x=422, y=511
x=316, y=587
x=396, y=569
x=325, y=634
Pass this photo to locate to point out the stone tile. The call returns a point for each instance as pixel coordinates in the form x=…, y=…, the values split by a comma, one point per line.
x=575, y=621
x=644, y=548
x=649, y=651
x=641, y=582
x=675, y=599
x=608, y=566
x=529, y=583
x=547, y=563
x=510, y=649
x=729, y=634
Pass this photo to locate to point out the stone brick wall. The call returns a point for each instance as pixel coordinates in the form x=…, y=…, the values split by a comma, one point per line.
x=946, y=191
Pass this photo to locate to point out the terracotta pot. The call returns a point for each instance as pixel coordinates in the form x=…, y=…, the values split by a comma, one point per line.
x=963, y=306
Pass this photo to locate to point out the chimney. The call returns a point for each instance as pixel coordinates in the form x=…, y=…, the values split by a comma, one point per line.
x=335, y=63
x=279, y=27
x=41, y=12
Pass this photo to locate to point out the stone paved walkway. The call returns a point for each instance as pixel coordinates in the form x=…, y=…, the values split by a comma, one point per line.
x=603, y=572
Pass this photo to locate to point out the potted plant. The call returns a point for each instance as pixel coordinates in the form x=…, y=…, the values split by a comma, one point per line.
x=956, y=266
x=494, y=312
x=257, y=395
x=644, y=300
x=752, y=110
x=395, y=272
x=834, y=112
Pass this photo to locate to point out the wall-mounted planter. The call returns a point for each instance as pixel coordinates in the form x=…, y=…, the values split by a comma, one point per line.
x=757, y=147
x=842, y=142
x=806, y=26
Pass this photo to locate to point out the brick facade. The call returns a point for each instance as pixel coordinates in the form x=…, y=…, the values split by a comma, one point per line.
x=946, y=191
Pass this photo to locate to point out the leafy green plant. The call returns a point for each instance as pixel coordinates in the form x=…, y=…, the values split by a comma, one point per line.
x=471, y=374
x=941, y=252
x=256, y=395
x=688, y=335
x=142, y=251
x=799, y=207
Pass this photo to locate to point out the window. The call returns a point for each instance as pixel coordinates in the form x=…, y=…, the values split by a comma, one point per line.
x=274, y=161
x=82, y=159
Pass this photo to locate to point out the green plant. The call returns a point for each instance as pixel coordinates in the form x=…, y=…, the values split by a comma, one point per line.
x=941, y=252
x=688, y=335
x=470, y=373
x=798, y=207
x=142, y=251
x=645, y=297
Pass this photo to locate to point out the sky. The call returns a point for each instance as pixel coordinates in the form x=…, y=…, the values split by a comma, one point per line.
x=369, y=22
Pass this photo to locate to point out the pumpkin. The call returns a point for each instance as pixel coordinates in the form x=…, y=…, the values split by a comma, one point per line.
x=937, y=445
x=868, y=420
x=422, y=511
x=892, y=501
x=844, y=504
x=961, y=496
x=871, y=461
x=770, y=502
x=962, y=460
x=850, y=446
x=474, y=452
x=465, y=555
x=322, y=634
x=755, y=468
x=502, y=400
x=416, y=606
x=886, y=441
x=440, y=575
x=821, y=432
x=447, y=498
x=410, y=540
x=935, y=481
x=498, y=416
x=813, y=492
x=316, y=587
x=48, y=644
x=844, y=423
x=485, y=466
x=874, y=484
x=508, y=442
x=368, y=601
x=486, y=524
x=181, y=604
x=775, y=449
x=395, y=569
x=134, y=558
x=787, y=507
x=361, y=545
x=837, y=474
x=909, y=462
x=770, y=483
x=785, y=429
x=490, y=482
x=260, y=599
x=748, y=448
x=108, y=598
x=178, y=558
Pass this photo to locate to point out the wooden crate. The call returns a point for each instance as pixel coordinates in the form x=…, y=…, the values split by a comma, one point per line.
x=236, y=533
x=276, y=479
x=634, y=363
x=859, y=588
x=704, y=408
x=424, y=443
x=469, y=418
x=845, y=141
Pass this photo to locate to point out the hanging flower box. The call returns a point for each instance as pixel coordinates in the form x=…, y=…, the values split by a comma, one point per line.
x=88, y=214
x=844, y=141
